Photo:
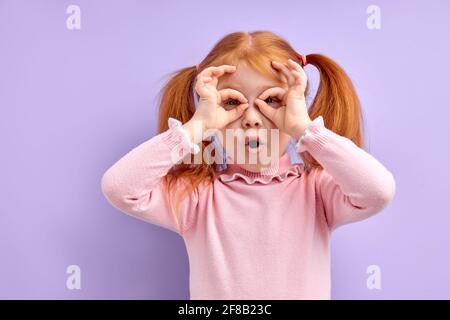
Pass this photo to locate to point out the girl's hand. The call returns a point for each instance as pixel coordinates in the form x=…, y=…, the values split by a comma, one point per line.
x=210, y=111
x=292, y=114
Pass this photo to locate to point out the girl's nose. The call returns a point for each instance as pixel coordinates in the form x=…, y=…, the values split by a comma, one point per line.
x=252, y=117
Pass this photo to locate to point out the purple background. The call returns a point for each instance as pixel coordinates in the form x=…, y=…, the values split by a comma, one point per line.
x=74, y=101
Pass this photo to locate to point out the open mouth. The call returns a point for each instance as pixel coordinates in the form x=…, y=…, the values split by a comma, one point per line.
x=253, y=143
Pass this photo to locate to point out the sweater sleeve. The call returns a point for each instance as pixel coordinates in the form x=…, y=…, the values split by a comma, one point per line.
x=134, y=183
x=353, y=185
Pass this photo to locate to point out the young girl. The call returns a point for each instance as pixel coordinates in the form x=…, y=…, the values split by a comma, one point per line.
x=256, y=230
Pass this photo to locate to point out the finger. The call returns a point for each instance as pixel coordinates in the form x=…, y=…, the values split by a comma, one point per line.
x=298, y=71
x=286, y=72
x=209, y=76
x=280, y=75
x=294, y=65
x=226, y=94
x=212, y=74
x=237, y=112
x=299, y=80
x=217, y=71
x=228, y=68
x=200, y=86
x=267, y=110
x=277, y=92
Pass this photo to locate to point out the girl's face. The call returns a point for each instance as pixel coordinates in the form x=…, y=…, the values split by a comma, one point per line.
x=252, y=84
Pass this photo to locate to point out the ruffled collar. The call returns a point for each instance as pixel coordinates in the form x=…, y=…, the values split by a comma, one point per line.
x=278, y=172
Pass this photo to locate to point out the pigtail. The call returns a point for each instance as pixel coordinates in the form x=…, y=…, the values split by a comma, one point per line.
x=176, y=99
x=336, y=101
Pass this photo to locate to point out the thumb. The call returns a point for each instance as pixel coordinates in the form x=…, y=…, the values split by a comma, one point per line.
x=267, y=110
x=237, y=112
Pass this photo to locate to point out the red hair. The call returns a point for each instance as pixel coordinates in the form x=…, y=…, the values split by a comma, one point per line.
x=336, y=99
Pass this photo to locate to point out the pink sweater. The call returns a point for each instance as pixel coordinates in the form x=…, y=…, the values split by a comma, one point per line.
x=254, y=236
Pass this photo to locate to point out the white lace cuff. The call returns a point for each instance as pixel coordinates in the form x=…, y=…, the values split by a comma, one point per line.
x=308, y=134
x=186, y=140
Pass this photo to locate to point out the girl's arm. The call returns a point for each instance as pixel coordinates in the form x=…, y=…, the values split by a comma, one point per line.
x=134, y=183
x=353, y=185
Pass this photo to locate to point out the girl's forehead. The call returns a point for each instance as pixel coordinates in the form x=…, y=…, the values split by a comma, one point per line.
x=242, y=80
x=243, y=70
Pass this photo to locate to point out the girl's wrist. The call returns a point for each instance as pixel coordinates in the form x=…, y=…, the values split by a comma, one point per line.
x=301, y=129
x=195, y=129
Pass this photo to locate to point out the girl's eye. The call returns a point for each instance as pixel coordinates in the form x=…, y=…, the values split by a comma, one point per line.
x=271, y=100
x=235, y=102
x=232, y=104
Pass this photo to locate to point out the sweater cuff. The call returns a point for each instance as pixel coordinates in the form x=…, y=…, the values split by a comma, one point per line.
x=314, y=137
x=178, y=136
